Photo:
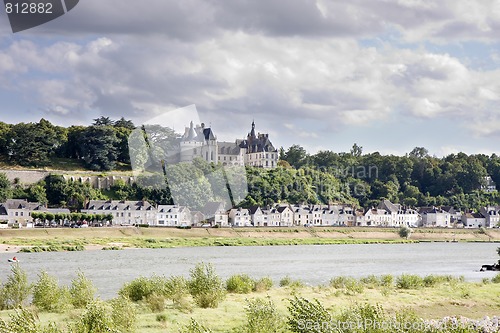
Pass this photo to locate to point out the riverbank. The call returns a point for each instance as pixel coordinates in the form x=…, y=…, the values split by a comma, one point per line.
x=61, y=239
x=430, y=298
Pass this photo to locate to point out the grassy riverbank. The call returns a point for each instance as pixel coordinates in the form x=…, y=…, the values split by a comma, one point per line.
x=66, y=239
x=433, y=297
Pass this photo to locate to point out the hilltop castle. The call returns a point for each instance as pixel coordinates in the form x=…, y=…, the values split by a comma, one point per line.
x=200, y=141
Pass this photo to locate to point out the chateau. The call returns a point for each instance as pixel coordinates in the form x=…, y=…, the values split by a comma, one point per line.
x=254, y=150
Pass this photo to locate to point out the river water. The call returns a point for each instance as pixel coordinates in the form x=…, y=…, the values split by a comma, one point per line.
x=109, y=270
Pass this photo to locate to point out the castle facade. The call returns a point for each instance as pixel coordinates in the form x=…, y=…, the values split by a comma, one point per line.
x=254, y=150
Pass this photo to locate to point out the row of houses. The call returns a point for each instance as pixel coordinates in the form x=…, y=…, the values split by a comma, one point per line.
x=17, y=212
x=386, y=214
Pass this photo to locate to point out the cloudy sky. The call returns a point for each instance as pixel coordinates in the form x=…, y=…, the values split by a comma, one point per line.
x=387, y=74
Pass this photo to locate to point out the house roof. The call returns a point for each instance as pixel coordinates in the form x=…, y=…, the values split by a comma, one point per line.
x=213, y=207
x=253, y=209
x=228, y=148
x=16, y=204
x=389, y=206
x=118, y=205
x=3, y=211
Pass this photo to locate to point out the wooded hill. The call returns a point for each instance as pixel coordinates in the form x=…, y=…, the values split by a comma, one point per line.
x=416, y=179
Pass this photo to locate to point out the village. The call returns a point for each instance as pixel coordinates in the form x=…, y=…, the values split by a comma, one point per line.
x=16, y=213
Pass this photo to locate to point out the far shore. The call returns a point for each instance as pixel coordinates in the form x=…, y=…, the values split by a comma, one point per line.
x=116, y=238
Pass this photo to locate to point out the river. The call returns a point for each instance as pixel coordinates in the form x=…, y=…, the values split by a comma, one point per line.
x=109, y=270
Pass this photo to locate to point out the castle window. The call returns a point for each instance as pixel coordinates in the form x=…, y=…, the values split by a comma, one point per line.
x=211, y=156
x=194, y=151
x=206, y=155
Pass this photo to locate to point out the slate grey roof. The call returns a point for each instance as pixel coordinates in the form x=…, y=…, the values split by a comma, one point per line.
x=257, y=143
x=3, y=211
x=228, y=148
x=118, y=205
x=213, y=207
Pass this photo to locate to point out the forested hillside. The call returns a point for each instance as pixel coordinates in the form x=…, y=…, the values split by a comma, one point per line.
x=416, y=179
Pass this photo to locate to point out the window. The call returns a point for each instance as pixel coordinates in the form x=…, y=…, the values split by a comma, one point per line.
x=195, y=151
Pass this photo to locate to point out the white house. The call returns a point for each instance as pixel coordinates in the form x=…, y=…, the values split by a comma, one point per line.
x=272, y=217
x=173, y=216
x=330, y=216
x=256, y=216
x=435, y=217
x=408, y=217
x=240, y=217
x=124, y=212
x=491, y=215
x=473, y=220
x=215, y=214
x=377, y=217
x=286, y=216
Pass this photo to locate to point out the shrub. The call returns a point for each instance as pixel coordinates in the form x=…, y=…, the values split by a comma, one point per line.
x=496, y=278
x=404, y=232
x=307, y=317
x=161, y=317
x=409, y=281
x=285, y=281
x=262, y=317
x=123, y=314
x=95, y=319
x=47, y=296
x=206, y=286
x=195, y=327
x=387, y=280
x=240, y=284
x=371, y=281
x=16, y=290
x=82, y=291
x=263, y=284
x=348, y=285
x=177, y=290
x=142, y=287
x=367, y=314
x=156, y=302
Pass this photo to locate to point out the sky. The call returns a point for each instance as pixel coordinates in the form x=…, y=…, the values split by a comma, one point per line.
x=388, y=75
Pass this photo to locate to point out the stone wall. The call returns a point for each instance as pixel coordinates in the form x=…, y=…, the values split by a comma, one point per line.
x=28, y=177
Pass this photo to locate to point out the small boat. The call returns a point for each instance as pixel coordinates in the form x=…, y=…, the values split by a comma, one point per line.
x=13, y=260
x=494, y=267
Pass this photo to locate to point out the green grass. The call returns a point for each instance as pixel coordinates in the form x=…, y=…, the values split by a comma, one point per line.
x=446, y=298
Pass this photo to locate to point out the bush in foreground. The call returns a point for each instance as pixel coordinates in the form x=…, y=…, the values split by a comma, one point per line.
x=240, y=284
x=123, y=314
x=16, y=290
x=262, y=317
x=95, y=319
x=409, y=281
x=307, y=317
x=206, y=286
x=47, y=295
x=263, y=284
x=143, y=287
x=82, y=291
x=195, y=327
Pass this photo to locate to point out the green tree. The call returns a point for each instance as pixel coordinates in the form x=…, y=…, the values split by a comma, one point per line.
x=33, y=144
x=296, y=156
x=98, y=147
x=5, y=188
